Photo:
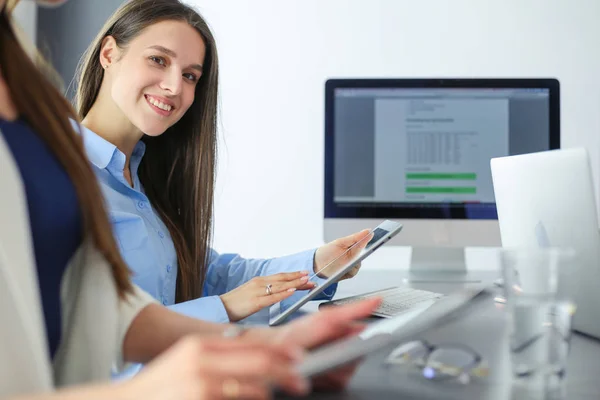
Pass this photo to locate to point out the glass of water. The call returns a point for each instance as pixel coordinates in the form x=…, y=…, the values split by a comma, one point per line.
x=539, y=314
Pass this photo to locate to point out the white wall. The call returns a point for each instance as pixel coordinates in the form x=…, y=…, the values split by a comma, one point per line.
x=26, y=16
x=275, y=56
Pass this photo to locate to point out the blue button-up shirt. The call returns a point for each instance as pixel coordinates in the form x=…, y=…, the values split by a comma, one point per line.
x=147, y=248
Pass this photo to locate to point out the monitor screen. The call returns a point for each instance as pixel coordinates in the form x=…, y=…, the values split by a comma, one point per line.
x=422, y=148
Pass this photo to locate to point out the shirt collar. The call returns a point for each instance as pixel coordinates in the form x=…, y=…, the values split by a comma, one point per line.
x=102, y=153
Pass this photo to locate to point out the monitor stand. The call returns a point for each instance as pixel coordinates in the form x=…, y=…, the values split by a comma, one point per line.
x=438, y=264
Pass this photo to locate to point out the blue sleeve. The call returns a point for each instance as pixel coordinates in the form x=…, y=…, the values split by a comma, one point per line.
x=228, y=271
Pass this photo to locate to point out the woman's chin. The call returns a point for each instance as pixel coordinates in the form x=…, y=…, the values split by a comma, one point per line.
x=150, y=125
x=153, y=130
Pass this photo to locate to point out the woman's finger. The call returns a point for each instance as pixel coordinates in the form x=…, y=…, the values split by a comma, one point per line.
x=307, y=286
x=256, y=365
x=283, y=286
x=284, y=277
x=331, y=323
x=221, y=345
x=360, y=246
x=265, y=301
x=351, y=240
x=352, y=312
x=353, y=272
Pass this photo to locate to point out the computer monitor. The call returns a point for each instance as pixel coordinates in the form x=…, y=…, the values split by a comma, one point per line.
x=418, y=151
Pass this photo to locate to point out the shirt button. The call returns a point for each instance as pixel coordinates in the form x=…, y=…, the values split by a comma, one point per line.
x=169, y=268
x=162, y=235
x=141, y=204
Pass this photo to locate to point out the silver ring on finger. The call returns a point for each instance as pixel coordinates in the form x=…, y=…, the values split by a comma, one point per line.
x=268, y=289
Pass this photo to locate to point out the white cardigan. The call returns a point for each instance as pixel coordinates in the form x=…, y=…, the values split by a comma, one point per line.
x=94, y=320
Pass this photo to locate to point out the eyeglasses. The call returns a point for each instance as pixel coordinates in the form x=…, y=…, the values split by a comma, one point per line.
x=442, y=362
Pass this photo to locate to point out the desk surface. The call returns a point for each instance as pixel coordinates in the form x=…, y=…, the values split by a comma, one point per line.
x=485, y=331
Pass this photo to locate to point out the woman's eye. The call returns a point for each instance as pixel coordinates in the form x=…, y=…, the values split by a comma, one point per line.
x=190, y=77
x=158, y=60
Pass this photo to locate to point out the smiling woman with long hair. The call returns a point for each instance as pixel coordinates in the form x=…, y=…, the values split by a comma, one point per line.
x=69, y=311
x=147, y=96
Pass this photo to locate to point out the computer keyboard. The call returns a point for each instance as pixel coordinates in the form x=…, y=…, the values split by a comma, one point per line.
x=396, y=300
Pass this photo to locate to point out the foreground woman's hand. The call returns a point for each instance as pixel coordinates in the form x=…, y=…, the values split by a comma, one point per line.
x=320, y=328
x=218, y=368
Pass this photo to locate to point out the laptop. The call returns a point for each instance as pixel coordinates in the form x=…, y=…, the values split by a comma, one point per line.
x=547, y=199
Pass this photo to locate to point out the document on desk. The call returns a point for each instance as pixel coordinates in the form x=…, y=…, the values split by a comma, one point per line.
x=392, y=331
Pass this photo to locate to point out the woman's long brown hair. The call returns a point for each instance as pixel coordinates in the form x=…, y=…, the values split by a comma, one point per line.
x=48, y=112
x=178, y=168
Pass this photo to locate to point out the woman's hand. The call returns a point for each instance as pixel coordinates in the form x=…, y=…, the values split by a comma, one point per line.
x=218, y=368
x=247, y=367
x=324, y=326
x=253, y=295
x=327, y=326
x=326, y=254
x=320, y=328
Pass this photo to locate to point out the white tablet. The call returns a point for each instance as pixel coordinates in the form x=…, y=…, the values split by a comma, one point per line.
x=381, y=234
x=395, y=330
